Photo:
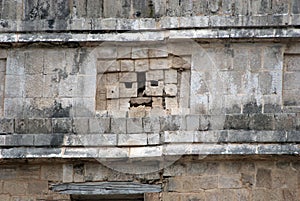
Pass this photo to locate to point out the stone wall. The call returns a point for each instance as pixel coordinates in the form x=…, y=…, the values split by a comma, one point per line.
x=190, y=178
x=75, y=15
x=106, y=91
x=135, y=80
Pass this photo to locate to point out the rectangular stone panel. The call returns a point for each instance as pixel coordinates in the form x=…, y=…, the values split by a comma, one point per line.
x=2, y=84
x=291, y=81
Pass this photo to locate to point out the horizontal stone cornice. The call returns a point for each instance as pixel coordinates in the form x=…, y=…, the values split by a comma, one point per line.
x=153, y=36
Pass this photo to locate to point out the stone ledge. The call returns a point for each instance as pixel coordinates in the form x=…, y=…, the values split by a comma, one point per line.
x=150, y=152
x=143, y=139
x=151, y=36
x=124, y=24
x=152, y=125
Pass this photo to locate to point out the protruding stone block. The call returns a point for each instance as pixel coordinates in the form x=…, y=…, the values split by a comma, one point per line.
x=135, y=125
x=155, y=89
x=127, y=65
x=112, y=91
x=128, y=90
x=171, y=89
x=141, y=65
x=170, y=76
x=157, y=64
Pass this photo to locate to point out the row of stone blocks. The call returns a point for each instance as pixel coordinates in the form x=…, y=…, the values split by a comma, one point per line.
x=154, y=24
x=151, y=152
x=181, y=138
x=278, y=121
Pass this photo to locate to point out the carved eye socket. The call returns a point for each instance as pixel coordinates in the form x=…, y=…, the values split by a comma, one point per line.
x=138, y=14
x=128, y=85
x=154, y=83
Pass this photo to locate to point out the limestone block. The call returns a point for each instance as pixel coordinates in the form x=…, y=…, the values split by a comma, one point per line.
x=106, y=23
x=176, y=62
x=170, y=76
x=67, y=87
x=157, y=64
x=81, y=125
x=39, y=126
x=157, y=102
x=240, y=59
x=99, y=140
x=13, y=107
x=128, y=90
x=128, y=77
x=124, y=103
x=118, y=125
x=52, y=172
x=34, y=85
x=172, y=123
x=103, y=65
x=106, y=52
x=127, y=24
x=137, y=112
x=151, y=124
x=2, y=66
x=295, y=7
x=171, y=89
x=263, y=178
x=194, y=21
x=99, y=125
x=15, y=187
x=112, y=78
x=265, y=82
x=153, y=139
x=178, y=136
x=84, y=107
x=171, y=103
x=94, y=8
x=192, y=122
x=112, y=91
x=113, y=104
x=154, y=90
x=135, y=125
x=50, y=87
x=155, y=75
x=140, y=53
x=127, y=65
x=158, y=51
x=291, y=81
x=86, y=86
x=6, y=126
x=67, y=173
x=291, y=97
x=132, y=139
x=169, y=22
x=62, y=125
x=15, y=63
x=232, y=181
x=124, y=52
x=272, y=58
x=141, y=65
x=109, y=66
x=14, y=86
x=184, y=90
x=255, y=59
x=34, y=62
x=292, y=62
x=54, y=60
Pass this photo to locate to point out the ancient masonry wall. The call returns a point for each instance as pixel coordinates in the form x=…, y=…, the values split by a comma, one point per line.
x=198, y=98
x=187, y=179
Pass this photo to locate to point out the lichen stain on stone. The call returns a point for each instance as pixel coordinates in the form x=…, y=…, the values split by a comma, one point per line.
x=59, y=111
x=79, y=58
x=40, y=10
x=61, y=74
